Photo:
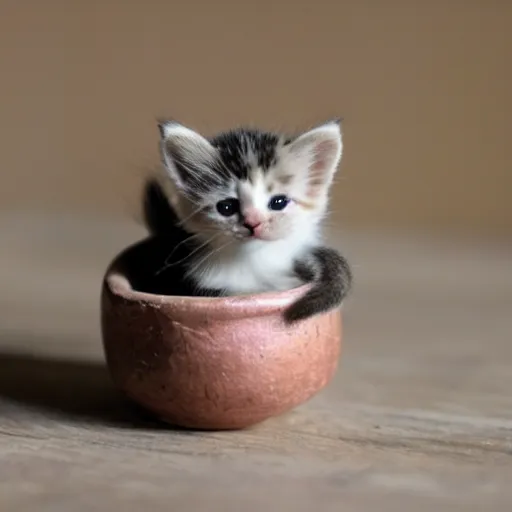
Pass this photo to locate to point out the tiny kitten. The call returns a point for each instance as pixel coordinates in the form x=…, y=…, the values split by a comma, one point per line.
x=242, y=211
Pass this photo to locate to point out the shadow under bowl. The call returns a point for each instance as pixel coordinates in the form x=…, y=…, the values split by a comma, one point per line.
x=212, y=363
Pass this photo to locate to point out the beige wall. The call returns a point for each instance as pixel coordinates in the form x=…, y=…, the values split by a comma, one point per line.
x=425, y=88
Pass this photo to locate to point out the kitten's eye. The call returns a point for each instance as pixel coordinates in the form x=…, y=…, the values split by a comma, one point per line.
x=278, y=202
x=228, y=207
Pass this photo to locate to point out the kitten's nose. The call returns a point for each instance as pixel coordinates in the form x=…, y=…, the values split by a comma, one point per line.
x=251, y=219
x=251, y=226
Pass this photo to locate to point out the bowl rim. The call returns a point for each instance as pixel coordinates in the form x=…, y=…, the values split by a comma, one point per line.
x=255, y=304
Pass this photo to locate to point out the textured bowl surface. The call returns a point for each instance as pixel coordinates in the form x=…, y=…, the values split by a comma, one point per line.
x=213, y=363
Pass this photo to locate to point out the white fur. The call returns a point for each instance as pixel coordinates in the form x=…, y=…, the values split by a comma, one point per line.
x=254, y=194
x=256, y=266
x=172, y=129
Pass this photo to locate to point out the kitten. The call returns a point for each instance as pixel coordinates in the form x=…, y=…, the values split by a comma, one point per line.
x=245, y=208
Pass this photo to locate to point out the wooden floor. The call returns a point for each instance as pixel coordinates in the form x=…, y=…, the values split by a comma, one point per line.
x=419, y=416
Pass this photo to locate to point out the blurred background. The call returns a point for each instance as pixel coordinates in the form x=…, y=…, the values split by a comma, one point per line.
x=424, y=87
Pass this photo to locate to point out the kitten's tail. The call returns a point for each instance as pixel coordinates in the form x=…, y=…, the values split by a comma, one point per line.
x=332, y=280
x=158, y=214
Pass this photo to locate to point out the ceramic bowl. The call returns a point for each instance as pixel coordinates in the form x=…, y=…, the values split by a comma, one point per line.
x=212, y=363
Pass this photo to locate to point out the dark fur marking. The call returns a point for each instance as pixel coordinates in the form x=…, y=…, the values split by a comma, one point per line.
x=304, y=270
x=332, y=278
x=234, y=146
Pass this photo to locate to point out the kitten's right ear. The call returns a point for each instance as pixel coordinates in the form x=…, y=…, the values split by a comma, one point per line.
x=186, y=154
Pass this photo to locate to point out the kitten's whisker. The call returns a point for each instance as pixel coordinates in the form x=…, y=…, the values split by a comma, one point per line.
x=176, y=247
x=204, y=244
x=195, y=212
x=209, y=255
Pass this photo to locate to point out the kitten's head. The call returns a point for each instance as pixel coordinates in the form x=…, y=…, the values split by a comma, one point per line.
x=246, y=184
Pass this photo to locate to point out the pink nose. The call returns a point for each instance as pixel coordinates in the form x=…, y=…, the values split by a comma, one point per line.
x=253, y=230
x=252, y=219
x=251, y=225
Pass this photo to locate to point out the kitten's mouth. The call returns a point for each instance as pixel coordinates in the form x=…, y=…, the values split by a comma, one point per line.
x=255, y=232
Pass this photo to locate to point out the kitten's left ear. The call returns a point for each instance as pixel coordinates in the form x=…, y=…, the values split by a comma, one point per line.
x=318, y=151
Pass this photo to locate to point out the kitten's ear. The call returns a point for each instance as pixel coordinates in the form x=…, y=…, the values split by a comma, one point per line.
x=318, y=151
x=186, y=154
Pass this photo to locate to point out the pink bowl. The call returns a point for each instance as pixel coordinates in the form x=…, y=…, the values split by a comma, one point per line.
x=213, y=363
